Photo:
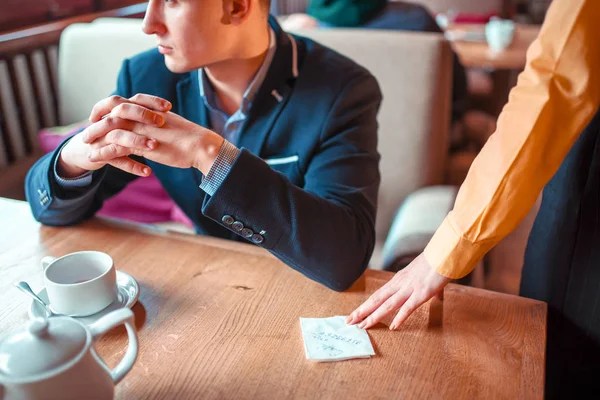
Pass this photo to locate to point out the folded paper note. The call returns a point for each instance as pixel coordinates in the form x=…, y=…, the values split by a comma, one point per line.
x=331, y=339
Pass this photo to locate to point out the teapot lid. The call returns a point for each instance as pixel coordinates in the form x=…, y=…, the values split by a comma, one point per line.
x=43, y=345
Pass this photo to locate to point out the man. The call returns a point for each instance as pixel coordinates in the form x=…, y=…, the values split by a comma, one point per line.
x=548, y=132
x=271, y=138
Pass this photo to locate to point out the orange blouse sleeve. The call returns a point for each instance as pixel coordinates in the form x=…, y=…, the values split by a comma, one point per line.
x=556, y=96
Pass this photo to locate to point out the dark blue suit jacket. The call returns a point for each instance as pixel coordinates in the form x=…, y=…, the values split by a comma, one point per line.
x=317, y=213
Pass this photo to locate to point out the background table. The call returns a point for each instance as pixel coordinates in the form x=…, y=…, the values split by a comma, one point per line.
x=477, y=54
x=219, y=319
x=504, y=66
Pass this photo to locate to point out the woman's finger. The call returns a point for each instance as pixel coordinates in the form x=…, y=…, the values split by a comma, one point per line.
x=374, y=301
x=413, y=302
x=389, y=306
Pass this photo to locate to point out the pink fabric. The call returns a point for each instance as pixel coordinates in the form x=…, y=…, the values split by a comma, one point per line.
x=464, y=18
x=467, y=18
x=177, y=215
x=144, y=200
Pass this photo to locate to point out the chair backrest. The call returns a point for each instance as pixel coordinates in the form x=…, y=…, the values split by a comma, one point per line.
x=89, y=59
x=413, y=70
x=464, y=6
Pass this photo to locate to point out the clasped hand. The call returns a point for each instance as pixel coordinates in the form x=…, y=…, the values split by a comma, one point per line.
x=144, y=126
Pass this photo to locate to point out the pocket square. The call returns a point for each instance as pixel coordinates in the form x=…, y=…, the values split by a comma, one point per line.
x=281, y=160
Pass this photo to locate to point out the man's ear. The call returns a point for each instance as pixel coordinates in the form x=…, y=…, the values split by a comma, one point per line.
x=236, y=11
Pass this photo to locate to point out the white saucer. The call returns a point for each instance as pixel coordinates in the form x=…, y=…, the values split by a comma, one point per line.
x=128, y=292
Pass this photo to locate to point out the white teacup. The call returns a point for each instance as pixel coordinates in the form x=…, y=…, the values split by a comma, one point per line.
x=499, y=33
x=81, y=283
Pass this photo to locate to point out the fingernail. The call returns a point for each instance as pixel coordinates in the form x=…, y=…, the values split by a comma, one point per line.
x=349, y=319
x=166, y=105
x=392, y=327
x=151, y=144
x=362, y=325
x=146, y=171
x=158, y=120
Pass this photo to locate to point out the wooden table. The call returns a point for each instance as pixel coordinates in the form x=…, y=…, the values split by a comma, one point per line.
x=479, y=55
x=219, y=320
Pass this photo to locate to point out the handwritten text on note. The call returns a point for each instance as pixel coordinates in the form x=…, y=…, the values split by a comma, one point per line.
x=330, y=339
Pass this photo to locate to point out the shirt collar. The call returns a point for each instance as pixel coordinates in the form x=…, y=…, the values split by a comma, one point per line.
x=206, y=90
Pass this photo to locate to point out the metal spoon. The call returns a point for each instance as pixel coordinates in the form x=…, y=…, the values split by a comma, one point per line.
x=24, y=286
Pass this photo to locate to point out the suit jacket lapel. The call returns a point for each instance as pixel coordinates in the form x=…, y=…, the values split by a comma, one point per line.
x=190, y=103
x=273, y=93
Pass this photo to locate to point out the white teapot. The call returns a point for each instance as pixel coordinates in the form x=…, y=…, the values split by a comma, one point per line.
x=54, y=359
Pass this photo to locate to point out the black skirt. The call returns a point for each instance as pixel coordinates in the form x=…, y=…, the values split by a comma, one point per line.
x=562, y=268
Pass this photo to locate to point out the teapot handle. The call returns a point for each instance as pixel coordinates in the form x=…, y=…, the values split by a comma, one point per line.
x=110, y=321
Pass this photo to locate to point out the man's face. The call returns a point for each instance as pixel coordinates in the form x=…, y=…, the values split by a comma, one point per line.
x=190, y=33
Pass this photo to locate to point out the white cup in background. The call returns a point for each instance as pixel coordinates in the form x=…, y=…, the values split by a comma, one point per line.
x=499, y=33
x=81, y=283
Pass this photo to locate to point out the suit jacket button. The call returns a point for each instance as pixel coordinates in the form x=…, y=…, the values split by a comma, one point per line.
x=258, y=239
x=237, y=226
x=247, y=233
x=227, y=220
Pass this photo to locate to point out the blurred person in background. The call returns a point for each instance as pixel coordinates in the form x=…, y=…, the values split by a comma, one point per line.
x=380, y=14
